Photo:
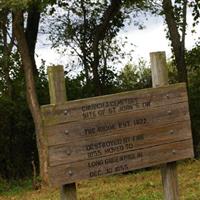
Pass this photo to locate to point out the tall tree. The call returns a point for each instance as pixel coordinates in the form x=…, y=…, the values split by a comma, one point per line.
x=11, y=86
x=176, y=20
x=89, y=29
x=100, y=32
x=25, y=27
x=32, y=99
x=32, y=30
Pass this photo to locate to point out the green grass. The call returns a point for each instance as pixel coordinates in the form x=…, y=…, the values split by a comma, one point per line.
x=141, y=185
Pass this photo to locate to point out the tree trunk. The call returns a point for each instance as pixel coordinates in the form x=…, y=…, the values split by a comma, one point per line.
x=100, y=34
x=83, y=45
x=31, y=33
x=32, y=100
x=178, y=43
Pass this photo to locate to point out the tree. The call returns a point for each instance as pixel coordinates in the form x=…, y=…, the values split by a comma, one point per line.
x=89, y=29
x=31, y=32
x=25, y=20
x=100, y=33
x=193, y=63
x=175, y=17
x=16, y=122
x=176, y=20
x=25, y=23
x=32, y=99
x=135, y=76
x=85, y=27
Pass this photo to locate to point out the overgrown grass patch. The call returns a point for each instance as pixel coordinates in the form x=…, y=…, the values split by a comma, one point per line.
x=140, y=185
x=13, y=188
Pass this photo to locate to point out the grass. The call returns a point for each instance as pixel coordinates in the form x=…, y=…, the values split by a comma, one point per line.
x=140, y=185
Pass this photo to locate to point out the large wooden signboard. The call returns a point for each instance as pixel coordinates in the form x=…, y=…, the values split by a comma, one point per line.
x=117, y=133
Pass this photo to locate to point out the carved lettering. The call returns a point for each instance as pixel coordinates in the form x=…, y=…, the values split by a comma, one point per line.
x=112, y=146
x=121, y=168
x=109, y=104
x=89, y=115
x=95, y=163
x=89, y=131
x=92, y=111
x=106, y=127
x=139, y=121
x=102, y=166
x=124, y=124
x=96, y=173
x=114, y=149
x=94, y=154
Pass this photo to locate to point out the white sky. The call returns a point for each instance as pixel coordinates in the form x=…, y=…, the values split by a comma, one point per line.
x=153, y=37
x=150, y=39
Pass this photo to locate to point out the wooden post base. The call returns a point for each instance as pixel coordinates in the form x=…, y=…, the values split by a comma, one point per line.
x=68, y=192
x=169, y=180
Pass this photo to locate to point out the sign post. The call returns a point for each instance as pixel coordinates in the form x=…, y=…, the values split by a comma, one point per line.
x=57, y=93
x=168, y=170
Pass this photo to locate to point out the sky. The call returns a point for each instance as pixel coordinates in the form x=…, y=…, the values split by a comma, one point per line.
x=153, y=37
x=150, y=39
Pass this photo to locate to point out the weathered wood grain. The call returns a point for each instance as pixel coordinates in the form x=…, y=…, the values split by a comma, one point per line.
x=122, y=162
x=99, y=107
x=57, y=90
x=129, y=140
x=117, y=124
x=117, y=133
x=68, y=192
x=57, y=93
x=170, y=181
x=168, y=170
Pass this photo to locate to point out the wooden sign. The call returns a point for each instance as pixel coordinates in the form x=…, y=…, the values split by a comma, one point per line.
x=116, y=133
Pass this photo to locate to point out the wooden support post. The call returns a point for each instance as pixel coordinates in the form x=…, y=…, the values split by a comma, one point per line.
x=57, y=89
x=169, y=170
x=57, y=93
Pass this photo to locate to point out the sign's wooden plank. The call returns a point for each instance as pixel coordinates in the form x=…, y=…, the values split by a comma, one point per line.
x=117, y=124
x=99, y=107
x=130, y=140
x=119, y=163
x=115, y=133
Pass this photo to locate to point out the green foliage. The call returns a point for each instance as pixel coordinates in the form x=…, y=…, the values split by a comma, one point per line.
x=195, y=6
x=135, y=76
x=77, y=87
x=74, y=24
x=17, y=141
x=73, y=28
x=14, y=4
x=172, y=72
x=14, y=187
x=42, y=85
x=194, y=97
x=193, y=68
x=179, y=14
x=193, y=63
x=192, y=58
x=17, y=138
